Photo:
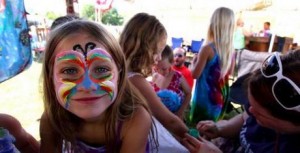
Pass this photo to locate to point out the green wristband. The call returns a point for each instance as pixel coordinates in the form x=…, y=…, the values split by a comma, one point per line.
x=194, y=132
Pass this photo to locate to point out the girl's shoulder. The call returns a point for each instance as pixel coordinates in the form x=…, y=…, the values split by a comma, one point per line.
x=134, y=74
x=210, y=47
x=140, y=115
x=137, y=125
x=208, y=50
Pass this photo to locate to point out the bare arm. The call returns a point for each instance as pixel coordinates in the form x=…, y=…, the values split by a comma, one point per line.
x=135, y=132
x=223, y=128
x=200, y=61
x=50, y=140
x=232, y=127
x=187, y=92
x=173, y=123
x=25, y=142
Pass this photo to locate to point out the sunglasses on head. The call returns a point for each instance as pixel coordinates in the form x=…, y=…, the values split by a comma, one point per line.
x=284, y=90
x=178, y=55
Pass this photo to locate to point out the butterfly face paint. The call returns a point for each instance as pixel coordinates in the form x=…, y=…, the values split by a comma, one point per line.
x=85, y=78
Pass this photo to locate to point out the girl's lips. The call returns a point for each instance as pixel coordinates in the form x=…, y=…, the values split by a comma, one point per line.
x=86, y=100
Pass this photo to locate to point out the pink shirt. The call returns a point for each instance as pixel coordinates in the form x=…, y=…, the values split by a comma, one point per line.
x=186, y=73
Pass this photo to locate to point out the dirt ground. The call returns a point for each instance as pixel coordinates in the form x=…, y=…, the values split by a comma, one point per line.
x=20, y=97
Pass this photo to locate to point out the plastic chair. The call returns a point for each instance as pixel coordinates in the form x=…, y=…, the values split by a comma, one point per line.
x=196, y=45
x=280, y=42
x=176, y=42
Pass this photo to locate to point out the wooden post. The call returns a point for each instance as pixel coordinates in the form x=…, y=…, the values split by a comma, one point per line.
x=70, y=7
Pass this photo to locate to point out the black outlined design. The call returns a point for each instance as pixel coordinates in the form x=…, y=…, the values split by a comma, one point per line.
x=88, y=46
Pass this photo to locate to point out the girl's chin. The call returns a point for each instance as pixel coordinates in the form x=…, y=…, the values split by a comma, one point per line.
x=90, y=117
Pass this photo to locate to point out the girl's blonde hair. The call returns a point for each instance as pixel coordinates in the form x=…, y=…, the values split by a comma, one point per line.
x=220, y=32
x=139, y=41
x=127, y=100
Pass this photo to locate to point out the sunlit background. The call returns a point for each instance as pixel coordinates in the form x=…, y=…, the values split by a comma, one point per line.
x=189, y=18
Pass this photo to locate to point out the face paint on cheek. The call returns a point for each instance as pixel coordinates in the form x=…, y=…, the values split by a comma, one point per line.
x=65, y=92
x=64, y=87
x=108, y=87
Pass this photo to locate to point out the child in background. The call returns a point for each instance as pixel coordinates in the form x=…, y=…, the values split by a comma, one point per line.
x=90, y=106
x=211, y=68
x=143, y=40
x=170, y=85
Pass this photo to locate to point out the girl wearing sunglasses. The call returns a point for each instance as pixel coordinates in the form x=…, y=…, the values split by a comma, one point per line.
x=271, y=120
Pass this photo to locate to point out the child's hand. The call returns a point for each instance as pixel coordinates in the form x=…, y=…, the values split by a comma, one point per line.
x=199, y=145
x=208, y=128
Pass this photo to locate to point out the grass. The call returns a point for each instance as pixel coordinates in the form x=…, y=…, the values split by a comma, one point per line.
x=21, y=98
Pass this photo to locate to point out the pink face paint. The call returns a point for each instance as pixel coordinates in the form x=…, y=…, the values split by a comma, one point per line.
x=67, y=63
x=72, y=71
x=104, y=80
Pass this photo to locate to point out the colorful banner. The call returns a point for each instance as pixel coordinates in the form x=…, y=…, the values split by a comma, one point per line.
x=15, y=49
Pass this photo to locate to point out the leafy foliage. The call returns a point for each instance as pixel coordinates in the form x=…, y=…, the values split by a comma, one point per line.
x=88, y=11
x=112, y=17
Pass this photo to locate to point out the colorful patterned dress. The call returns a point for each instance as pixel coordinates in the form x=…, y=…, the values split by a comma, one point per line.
x=210, y=95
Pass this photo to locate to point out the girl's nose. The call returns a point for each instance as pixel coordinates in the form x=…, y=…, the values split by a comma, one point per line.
x=87, y=84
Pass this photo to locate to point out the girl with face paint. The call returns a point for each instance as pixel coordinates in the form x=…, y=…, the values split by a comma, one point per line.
x=90, y=106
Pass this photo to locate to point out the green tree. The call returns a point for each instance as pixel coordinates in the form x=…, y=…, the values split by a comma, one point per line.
x=88, y=11
x=112, y=17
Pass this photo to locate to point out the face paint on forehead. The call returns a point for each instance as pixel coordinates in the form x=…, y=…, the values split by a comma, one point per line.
x=98, y=54
x=88, y=46
x=69, y=56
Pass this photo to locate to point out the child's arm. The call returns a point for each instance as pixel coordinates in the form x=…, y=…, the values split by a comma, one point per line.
x=135, y=132
x=200, y=60
x=50, y=140
x=222, y=128
x=169, y=120
x=25, y=142
x=187, y=97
